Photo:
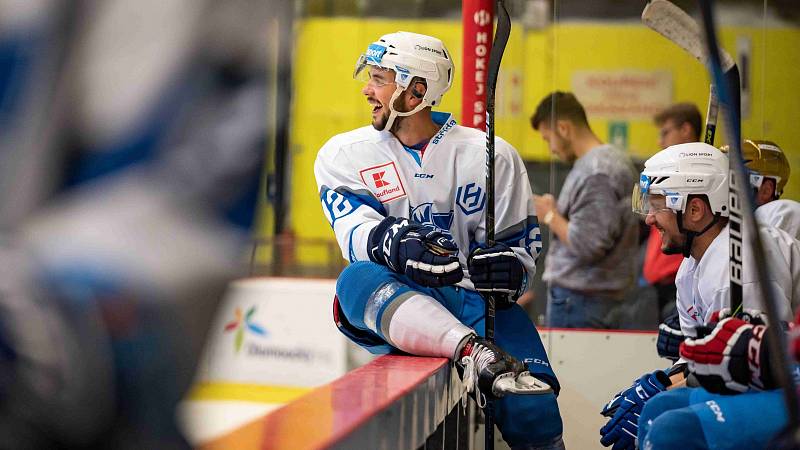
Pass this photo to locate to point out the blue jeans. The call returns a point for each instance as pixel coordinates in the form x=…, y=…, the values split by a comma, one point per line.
x=571, y=309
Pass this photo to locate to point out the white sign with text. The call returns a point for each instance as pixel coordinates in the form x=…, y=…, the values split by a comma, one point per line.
x=623, y=94
x=275, y=331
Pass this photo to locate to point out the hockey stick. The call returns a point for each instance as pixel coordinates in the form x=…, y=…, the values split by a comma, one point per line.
x=728, y=93
x=674, y=24
x=502, y=33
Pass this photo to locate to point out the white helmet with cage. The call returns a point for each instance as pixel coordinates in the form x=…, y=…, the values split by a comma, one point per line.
x=409, y=55
x=680, y=171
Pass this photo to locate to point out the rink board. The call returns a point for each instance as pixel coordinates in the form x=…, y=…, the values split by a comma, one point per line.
x=591, y=365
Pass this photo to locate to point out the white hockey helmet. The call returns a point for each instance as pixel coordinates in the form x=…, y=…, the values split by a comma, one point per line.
x=682, y=170
x=410, y=55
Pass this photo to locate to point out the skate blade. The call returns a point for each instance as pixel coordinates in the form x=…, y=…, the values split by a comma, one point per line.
x=523, y=384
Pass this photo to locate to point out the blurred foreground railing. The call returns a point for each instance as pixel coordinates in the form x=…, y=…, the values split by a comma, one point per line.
x=392, y=403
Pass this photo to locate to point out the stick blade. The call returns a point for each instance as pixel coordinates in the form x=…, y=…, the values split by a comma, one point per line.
x=668, y=20
x=522, y=384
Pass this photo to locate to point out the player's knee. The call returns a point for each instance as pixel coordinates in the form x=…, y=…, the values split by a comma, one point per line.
x=678, y=428
x=530, y=421
x=356, y=288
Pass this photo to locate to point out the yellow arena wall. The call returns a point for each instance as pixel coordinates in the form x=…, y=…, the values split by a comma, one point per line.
x=327, y=101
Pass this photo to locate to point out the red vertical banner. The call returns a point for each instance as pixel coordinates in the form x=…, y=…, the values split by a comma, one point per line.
x=477, y=17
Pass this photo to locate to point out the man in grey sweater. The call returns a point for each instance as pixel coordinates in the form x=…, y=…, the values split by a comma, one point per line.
x=591, y=260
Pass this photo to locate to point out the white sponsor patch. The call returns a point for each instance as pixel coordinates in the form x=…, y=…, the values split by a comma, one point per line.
x=384, y=181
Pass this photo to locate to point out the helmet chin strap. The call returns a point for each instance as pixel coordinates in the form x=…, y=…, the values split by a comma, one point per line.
x=690, y=235
x=393, y=113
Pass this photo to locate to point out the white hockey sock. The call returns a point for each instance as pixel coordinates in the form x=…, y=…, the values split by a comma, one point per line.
x=422, y=326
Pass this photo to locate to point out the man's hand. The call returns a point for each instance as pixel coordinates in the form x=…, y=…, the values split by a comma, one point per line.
x=544, y=204
x=420, y=252
x=670, y=337
x=625, y=408
x=732, y=358
x=497, y=269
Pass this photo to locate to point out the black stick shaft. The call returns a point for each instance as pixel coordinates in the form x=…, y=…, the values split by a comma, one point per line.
x=728, y=91
x=727, y=87
x=711, y=115
x=498, y=46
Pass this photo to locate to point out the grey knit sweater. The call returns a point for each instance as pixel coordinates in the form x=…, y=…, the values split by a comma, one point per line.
x=601, y=255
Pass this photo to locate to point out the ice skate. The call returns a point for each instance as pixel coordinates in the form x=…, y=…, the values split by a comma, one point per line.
x=488, y=370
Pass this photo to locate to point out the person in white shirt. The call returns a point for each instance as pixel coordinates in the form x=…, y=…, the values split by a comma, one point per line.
x=406, y=199
x=733, y=356
x=683, y=191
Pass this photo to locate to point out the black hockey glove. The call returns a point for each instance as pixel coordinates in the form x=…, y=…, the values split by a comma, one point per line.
x=670, y=337
x=497, y=269
x=420, y=252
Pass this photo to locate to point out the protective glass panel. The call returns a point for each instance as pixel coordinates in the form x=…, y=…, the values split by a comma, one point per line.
x=623, y=72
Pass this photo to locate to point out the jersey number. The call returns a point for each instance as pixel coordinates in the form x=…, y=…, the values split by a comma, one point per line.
x=335, y=205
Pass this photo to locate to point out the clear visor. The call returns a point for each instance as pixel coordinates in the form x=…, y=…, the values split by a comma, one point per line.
x=639, y=200
x=373, y=75
x=645, y=203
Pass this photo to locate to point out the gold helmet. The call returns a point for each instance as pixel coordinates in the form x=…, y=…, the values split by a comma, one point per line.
x=765, y=159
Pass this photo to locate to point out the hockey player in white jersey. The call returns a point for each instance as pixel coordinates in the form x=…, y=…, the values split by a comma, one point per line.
x=406, y=198
x=768, y=174
x=731, y=356
x=683, y=191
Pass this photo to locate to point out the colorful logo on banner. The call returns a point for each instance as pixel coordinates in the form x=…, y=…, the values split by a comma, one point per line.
x=241, y=324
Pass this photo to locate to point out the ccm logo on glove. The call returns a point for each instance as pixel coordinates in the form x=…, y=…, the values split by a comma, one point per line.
x=421, y=252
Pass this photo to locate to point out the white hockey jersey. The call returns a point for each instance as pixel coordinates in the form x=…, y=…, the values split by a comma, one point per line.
x=783, y=214
x=365, y=175
x=703, y=287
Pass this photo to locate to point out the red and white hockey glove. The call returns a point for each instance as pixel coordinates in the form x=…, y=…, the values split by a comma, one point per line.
x=732, y=358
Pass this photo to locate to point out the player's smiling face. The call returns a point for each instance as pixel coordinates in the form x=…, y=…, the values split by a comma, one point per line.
x=379, y=90
x=666, y=222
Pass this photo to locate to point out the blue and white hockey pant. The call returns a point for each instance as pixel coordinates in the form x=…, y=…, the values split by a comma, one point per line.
x=693, y=418
x=522, y=419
